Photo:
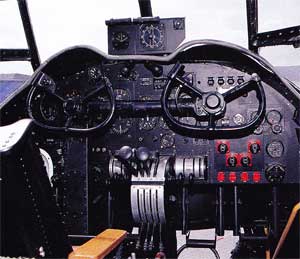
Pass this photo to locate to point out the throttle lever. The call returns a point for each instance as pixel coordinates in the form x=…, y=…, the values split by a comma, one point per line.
x=124, y=155
x=142, y=155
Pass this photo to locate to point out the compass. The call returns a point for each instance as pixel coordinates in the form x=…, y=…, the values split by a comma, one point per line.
x=152, y=36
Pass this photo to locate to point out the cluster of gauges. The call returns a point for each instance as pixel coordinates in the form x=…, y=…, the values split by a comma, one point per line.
x=86, y=101
x=151, y=37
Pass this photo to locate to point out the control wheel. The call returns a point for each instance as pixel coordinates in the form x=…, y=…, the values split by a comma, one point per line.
x=207, y=107
x=67, y=106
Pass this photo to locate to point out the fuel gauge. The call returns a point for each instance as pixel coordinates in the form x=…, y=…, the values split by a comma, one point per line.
x=273, y=117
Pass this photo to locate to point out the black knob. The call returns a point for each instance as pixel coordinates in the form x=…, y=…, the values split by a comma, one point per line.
x=232, y=161
x=276, y=128
x=125, y=71
x=223, y=148
x=275, y=173
x=254, y=148
x=142, y=153
x=124, y=153
x=156, y=70
x=245, y=161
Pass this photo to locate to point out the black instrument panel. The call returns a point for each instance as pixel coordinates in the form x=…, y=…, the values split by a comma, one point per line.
x=258, y=154
x=117, y=102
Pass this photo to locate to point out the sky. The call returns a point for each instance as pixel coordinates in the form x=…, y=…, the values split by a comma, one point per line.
x=59, y=24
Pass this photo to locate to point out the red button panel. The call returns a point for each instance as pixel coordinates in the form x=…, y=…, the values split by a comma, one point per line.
x=221, y=177
x=256, y=177
x=232, y=177
x=244, y=177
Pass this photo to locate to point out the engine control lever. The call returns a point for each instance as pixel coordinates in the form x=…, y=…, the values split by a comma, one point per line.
x=142, y=156
x=137, y=160
x=125, y=155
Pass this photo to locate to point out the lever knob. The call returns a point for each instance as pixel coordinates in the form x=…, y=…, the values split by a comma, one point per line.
x=125, y=152
x=142, y=154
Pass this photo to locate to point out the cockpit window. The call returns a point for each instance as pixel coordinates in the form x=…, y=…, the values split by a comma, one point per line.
x=214, y=19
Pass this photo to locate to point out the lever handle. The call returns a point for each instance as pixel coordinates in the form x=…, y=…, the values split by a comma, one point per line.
x=125, y=153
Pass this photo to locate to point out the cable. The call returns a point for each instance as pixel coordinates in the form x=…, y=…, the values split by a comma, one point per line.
x=215, y=252
x=286, y=229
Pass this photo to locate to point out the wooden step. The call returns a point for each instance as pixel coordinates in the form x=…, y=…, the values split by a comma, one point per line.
x=99, y=246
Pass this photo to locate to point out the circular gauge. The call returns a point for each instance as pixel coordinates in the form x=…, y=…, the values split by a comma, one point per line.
x=48, y=108
x=120, y=40
x=121, y=126
x=47, y=82
x=275, y=149
x=152, y=36
x=239, y=119
x=121, y=94
x=147, y=123
x=167, y=141
x=94, y=73
x=273, y=117
x=162, y=123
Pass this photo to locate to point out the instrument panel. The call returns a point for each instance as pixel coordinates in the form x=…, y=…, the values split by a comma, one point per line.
x=126, y=98
x=203, y=117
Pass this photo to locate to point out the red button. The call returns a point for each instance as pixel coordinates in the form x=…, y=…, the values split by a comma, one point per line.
x=244, y=177
x=256, y=177
x=232, y=177
x=221, y=177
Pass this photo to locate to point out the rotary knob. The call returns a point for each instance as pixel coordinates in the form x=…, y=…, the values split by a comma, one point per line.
x=254, y=148
x=223, y=148
x=232, y=161
x=245, y=161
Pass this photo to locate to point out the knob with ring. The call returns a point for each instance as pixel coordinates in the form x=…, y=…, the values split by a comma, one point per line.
x=223, y=148
x=232, y=161
x=245, y=161
x=254, y=148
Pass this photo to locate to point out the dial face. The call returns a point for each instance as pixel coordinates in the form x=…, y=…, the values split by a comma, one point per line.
x=275, y=149
x=94, y=73
x=167, y=141
x=49, y=109
x=121, y=126
x=120, y=40
x=152, y=36
x=273, y=117
x=147, y=123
